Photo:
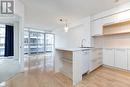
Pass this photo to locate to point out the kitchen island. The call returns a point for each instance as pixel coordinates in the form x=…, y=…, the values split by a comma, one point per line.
x=72, y=62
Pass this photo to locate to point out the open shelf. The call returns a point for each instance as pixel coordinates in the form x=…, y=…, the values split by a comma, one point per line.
x=117, y=28
x=68, y=60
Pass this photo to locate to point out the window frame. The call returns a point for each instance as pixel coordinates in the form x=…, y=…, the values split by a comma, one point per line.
x=2, y=37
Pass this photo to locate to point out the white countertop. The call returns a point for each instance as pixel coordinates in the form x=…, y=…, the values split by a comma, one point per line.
x=73, y=49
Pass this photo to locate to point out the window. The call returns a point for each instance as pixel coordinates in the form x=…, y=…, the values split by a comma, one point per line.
x=2, y=39
x=49, y=42
x=41, y=42
x=26, y=41
x=33, y=42
x=37, y=42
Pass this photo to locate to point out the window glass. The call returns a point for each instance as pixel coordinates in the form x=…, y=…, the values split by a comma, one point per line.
x=26, y=41
x=49, y=42
x=41, y=42
x=49, y=38
x=37, y=41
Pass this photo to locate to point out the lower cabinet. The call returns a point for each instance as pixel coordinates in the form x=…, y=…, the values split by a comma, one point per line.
x=85, y=59
x=95, y=59
x=121, y=58
x=108, y=56
x=128, y=59
x=117, y=57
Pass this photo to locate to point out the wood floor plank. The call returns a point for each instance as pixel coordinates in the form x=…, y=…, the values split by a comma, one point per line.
x=102, y=77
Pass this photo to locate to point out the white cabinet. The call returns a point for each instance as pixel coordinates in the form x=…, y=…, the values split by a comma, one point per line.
x=80, y=64
x=95, y=59
x=118, y=57
x=97, y=27
x=128, y=59
x=73, y=63
x=121, y=58
x=108, y=56
x=85, y=59
x=123, y=16
x=109, y=20
x=77, y=68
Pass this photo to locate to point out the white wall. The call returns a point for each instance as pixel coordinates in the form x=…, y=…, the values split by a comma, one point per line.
x=73, y=38
x=19, y=8
x=19, y=12
x=37, y=18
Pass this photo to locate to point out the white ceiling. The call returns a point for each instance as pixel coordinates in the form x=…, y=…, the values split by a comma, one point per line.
x=46, y=13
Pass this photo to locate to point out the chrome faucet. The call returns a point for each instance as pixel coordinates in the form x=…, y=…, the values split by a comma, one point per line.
x=82, y=45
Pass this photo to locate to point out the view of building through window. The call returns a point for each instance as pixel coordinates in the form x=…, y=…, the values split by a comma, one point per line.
x=34, y=41
x=49, y=42
x=37, y=42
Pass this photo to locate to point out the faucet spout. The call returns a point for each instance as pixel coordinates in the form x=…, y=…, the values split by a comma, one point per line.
x=82, y=42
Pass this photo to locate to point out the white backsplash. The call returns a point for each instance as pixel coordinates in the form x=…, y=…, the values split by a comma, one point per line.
x=112, y=41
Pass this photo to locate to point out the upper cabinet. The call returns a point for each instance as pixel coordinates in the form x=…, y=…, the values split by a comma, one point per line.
x=123, y=16
x=97, y=27
x=98, y=24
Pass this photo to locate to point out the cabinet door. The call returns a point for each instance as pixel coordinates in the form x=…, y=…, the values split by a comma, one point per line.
x=85, y=61
x=121, y=58
x=110, y=19
x=95, y=58
x=128, y=59
x=97, y=27
x=77, y=67
x=123, y=16
x=108, y=57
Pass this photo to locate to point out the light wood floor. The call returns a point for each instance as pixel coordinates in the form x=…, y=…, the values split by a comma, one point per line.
x=102, y=77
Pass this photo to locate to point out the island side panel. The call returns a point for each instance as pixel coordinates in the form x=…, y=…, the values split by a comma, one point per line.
x=77, y=74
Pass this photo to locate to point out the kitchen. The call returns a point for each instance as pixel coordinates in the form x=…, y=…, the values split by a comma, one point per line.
x=108, y=44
